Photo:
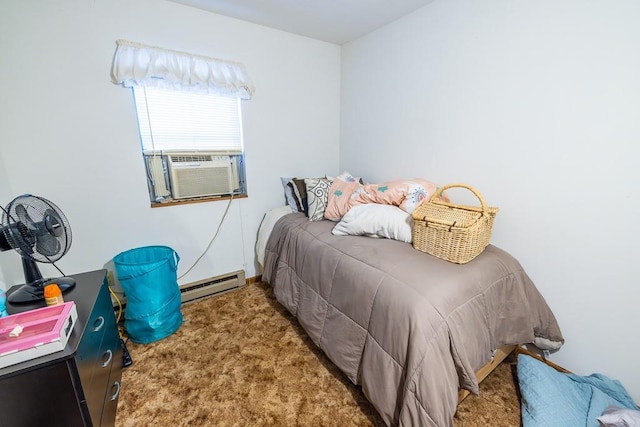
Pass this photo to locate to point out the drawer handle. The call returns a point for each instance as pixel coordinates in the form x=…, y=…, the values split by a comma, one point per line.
x=106, y=363
x=116, y=384
x=98, y=324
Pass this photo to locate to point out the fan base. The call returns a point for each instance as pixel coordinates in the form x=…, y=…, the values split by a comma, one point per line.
x=32, y=292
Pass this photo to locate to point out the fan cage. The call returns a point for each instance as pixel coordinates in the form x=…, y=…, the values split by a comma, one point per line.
x=36, y=228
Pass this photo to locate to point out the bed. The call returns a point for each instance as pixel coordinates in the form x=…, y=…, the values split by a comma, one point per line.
x=412, y=330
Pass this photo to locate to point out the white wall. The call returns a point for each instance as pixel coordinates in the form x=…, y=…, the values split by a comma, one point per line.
x=536, y=104
x=4, y=195
x=70, y=135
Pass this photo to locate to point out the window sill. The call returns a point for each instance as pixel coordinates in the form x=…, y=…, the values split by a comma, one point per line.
x=195, y=200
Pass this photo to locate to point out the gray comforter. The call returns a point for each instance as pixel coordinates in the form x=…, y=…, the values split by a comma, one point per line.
x=409, y=328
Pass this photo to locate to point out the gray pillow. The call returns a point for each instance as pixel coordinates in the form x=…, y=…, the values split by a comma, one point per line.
x=298, y=206
x=300, y=193
x=288, y=193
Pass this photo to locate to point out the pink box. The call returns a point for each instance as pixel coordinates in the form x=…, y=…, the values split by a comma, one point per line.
x=35, y=333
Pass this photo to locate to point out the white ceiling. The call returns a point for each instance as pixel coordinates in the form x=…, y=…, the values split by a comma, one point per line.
x=334, y=21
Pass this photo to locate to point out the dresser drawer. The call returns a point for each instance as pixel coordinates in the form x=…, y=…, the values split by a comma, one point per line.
x=113, y=389
x=99, y=350
x=90, y=347
x=110, y=361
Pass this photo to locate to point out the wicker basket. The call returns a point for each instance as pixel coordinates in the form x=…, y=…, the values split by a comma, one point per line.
x=456, y=233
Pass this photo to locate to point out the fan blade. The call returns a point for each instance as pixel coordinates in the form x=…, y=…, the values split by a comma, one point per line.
x=24, y=230
x=47, y=245
x=24, y=217
x=19, y=237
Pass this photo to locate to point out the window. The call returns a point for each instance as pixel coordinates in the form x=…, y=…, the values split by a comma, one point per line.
x=191, y=143
x=188, y=109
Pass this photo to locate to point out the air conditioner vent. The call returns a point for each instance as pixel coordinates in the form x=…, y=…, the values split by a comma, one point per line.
x=191, y=158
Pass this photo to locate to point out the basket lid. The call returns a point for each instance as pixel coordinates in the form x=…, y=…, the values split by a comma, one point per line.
x=446, y=215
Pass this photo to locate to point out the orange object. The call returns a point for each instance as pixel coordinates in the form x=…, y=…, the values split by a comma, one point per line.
x=53, y=294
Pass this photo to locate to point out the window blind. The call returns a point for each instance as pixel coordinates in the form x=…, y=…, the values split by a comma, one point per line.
x=172, y=120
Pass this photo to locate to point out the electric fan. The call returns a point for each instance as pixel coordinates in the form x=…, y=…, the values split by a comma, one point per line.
x=38, y=230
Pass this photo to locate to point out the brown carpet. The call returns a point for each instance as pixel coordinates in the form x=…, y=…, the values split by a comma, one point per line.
x=240, y=359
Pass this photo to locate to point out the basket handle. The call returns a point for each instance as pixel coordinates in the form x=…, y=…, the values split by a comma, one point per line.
x=440, y=190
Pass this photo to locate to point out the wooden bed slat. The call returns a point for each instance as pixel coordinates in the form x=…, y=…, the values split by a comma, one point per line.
x=482, y=373
x=545, y=361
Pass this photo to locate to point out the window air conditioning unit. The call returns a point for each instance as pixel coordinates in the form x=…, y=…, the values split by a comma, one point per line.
x=202, y=174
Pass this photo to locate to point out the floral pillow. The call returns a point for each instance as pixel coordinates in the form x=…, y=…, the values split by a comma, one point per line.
x=344, y=189
x=417, y=191
x=406, y=194
x=341, y=199
x=317, y=195
x=346, y=177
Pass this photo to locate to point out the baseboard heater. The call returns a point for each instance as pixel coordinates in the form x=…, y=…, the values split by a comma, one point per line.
x=212, y=286
x=203, y=288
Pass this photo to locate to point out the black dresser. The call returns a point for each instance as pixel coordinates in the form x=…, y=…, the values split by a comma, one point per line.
x=79, y=385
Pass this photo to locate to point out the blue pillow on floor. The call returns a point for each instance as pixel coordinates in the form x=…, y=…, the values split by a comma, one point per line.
x=551, y=398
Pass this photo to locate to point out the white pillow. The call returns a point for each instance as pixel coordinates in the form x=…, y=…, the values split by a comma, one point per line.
x=375, y=220
x=619, y=417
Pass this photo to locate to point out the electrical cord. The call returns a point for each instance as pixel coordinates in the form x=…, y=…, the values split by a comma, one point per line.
x=211, y=241
x=126, y=356
x=119, y=306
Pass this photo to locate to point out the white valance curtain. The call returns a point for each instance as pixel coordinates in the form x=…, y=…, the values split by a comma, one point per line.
x=135, y=64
